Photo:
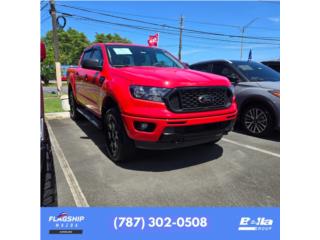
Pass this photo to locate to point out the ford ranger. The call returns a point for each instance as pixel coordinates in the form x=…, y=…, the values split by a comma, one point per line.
x=143, y=97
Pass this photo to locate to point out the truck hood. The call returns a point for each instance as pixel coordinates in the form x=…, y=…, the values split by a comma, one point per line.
x=270, y=85
x=169, y=77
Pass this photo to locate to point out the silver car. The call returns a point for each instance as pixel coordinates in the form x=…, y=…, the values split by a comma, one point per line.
x=257, y=90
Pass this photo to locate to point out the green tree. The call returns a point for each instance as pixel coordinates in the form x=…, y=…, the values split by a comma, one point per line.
x=71, y=45
x=104, y=38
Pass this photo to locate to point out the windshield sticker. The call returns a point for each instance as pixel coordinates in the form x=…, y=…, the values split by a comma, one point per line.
x=245, y=67
x=122, y=51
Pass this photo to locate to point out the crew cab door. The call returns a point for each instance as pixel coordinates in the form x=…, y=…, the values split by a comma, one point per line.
x=93, y=82
x=87, y=92
x=81, y=78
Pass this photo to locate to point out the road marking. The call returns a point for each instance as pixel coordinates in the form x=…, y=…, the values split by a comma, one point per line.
x=75, y=189
x=251, y=147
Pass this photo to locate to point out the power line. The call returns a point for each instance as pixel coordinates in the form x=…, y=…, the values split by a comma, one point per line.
x=229, y=26
x=188, y=38
x=176, y=34
x=135, y=15
x=44, y=6
x=204, y=44
x=175, y=20
x=157, y=29
x=170, y=26
x=214, y=24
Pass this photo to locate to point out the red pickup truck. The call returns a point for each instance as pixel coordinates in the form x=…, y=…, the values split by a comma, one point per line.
x=143, y=97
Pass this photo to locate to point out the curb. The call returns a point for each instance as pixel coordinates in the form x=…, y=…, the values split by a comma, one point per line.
x=57, y=115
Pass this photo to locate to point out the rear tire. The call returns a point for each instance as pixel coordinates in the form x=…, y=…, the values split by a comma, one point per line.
x=74, y=114
x=120, y=147
x=257, y=120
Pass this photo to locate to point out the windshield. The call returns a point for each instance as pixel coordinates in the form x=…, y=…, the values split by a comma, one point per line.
x=257, y=72
x=124, y=56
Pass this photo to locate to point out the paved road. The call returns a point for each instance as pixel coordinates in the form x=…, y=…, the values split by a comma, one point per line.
x=238, y=171
x=47, y=89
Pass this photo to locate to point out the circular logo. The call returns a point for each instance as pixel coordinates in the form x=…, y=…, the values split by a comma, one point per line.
x=205, y=99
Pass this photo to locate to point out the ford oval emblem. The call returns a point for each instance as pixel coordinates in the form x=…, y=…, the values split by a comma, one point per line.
x=206, y=99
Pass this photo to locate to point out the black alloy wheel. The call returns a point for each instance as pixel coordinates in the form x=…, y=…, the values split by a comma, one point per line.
x=120, y=147
x=113, y=141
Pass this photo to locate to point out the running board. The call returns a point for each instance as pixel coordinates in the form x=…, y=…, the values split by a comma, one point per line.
x=90, y=117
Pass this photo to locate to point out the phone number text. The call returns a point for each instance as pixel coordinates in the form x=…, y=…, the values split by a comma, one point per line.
x=159, y=222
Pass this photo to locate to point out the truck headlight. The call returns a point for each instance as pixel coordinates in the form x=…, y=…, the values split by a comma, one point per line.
x=149, y=93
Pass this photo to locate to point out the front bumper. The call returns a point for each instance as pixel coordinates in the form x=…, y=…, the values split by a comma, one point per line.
x=181, y=132
x=178, y=137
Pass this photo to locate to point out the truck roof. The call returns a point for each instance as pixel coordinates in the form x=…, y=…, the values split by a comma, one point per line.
x=125, y=44
x=117, y=44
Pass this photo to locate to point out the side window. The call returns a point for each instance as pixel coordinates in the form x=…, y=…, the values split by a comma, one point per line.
x=224, y=70
x=203, y=67
x=97, y=54
x=86, y=56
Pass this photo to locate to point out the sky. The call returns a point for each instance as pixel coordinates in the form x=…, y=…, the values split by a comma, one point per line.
x=222, y=17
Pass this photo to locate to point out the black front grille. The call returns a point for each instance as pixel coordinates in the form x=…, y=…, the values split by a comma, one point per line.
x=199, y=99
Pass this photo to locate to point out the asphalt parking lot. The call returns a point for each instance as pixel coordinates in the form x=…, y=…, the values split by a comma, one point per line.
x=240, y=170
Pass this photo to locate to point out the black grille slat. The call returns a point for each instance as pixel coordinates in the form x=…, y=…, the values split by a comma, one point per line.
x=187, y=99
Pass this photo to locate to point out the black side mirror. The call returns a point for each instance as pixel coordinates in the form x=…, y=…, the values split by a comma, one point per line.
x=92, y=64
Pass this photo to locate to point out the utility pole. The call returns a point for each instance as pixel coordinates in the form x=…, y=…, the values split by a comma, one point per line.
x=55, y=45
x=242, y=29
x=180, y=38
x=242, y=33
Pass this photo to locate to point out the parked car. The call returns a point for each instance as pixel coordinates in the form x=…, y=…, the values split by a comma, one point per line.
x=143, y=97
x=275, y=64
x=64, y=69
x=257, y=90
x=44, y=79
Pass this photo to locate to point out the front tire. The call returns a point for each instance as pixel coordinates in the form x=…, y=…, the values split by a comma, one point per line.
x=257, y=120
x=120, y=147
x=217, y=139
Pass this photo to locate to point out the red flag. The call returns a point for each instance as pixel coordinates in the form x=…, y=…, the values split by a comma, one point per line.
x=153, y=40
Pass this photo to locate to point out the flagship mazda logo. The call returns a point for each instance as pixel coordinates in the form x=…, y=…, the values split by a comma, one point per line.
x=63, y=223
x=206, y=99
